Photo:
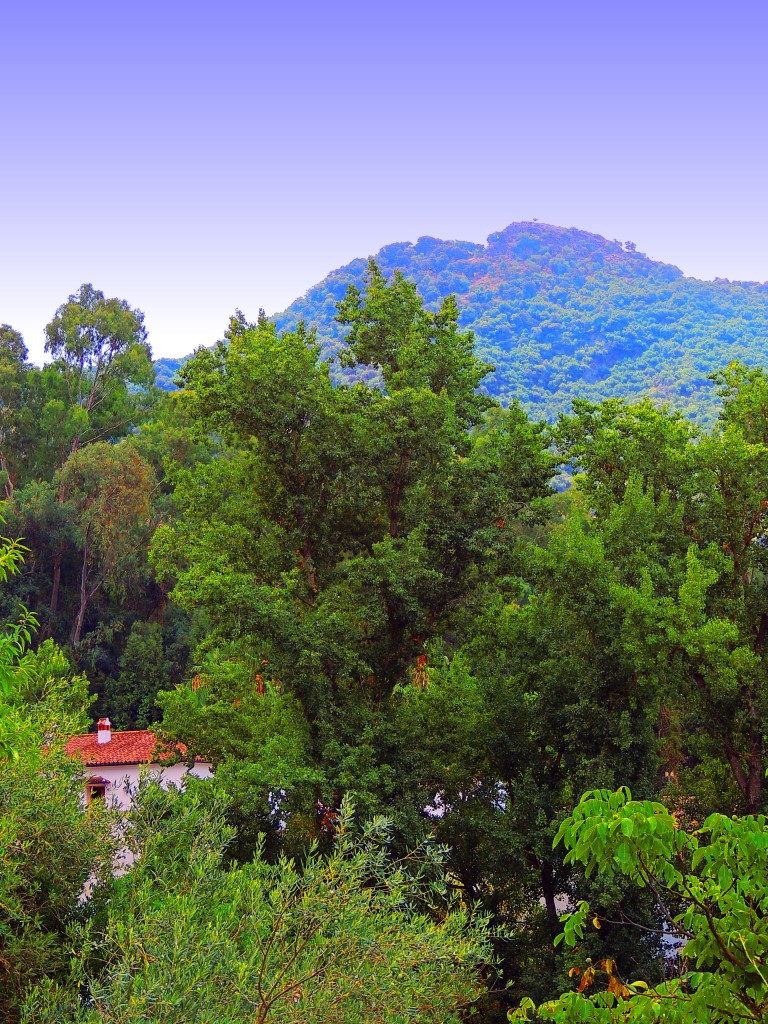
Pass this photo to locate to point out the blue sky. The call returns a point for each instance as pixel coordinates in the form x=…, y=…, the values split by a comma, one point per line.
x=195, y=158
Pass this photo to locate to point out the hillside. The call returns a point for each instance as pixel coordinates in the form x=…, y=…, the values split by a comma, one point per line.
x=564, y=313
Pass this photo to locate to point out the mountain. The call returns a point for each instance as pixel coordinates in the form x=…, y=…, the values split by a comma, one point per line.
x=166, y=370
x=563, y=313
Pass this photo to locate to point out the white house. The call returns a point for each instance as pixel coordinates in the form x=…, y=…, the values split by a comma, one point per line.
x=116, y=760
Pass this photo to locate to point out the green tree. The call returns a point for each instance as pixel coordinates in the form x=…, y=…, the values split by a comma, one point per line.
x=256, y=733
x=338, y=529
x=348, y=937
x=99, y=384
x=683, y=521
x=711, y=885
x=51, y=849
x=109, y=489
x=98, y=345
x=144, y=671
x=390, y=329
x=541, y=701
x=17, y=417
x=14, y=642
x=48, y=848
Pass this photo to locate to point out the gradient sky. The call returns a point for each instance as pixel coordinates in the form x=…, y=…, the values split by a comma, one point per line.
x=195, y=158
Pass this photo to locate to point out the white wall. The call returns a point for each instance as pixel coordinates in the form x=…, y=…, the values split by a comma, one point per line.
x=124, y=778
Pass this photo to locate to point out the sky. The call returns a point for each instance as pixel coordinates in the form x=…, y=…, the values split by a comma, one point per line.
x=196, y=158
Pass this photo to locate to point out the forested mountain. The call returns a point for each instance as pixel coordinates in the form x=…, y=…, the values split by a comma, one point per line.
x=563, y=313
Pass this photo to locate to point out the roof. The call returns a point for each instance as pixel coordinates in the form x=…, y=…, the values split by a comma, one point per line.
x=137, y=746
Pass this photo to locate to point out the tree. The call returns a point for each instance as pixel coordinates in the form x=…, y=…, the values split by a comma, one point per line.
x=99, y=348
x=344, y=938
x=390, y=329
x=109, y=489
x=541, y=701
x=99, y=344
x=339, y=529
x=711, y=885
x=14, y=640
x=15, y=412
x=683, y=521
x=50, y=849
x=144, y=671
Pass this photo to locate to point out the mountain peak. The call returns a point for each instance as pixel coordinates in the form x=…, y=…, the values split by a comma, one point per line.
x=544, y=243
x=564, y=313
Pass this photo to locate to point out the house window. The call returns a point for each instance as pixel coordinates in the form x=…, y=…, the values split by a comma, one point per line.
x=95, y=790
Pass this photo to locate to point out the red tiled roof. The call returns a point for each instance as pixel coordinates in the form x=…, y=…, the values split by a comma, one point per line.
x=138, y=746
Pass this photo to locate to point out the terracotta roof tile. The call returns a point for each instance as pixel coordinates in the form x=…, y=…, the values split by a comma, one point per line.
x=138, y=746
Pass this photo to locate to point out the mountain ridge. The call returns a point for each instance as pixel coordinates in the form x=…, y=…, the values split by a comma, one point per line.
x=565, y=313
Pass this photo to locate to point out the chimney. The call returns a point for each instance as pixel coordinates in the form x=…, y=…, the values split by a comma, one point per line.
x=104, y=731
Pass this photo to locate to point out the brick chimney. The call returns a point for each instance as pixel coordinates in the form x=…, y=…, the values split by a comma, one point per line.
x=104, y=731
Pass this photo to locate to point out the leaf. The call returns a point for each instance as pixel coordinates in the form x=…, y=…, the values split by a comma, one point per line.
x=587, y=979
x=618, y=988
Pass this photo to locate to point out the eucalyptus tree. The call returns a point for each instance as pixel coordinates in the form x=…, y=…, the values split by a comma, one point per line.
x=99, y=346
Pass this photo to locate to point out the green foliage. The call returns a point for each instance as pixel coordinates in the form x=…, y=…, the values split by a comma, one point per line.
x=144, y=671
x=49, y=849
x=365, y=584
x=256, y=733
x=97, y=389
x=712, y=886
x=14, y=642
x=540, y=702
x=100, y=344
x=682, y=518
x=108, y=488
x=339, y=529
x=349, y=937
x=564, y=314
x=16, y=406
x=390, y=329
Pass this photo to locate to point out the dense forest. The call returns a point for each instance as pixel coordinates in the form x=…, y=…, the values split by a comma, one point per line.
x=565, y=314
x=486, y=746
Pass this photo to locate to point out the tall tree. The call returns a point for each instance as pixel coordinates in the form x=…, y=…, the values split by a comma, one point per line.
x=15, y=413
x=541, y=701
x=98, y=347
x=340, y=528
x=99, y=344
x=109, y=489
x=683, y=520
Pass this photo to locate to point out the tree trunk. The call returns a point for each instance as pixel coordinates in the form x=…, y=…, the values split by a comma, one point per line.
x=57, y=559
x=747, y=767
x=548, y=891
x=8, y=486
x=397, y=493
x=84, y=597
x=749, y=779
x=61, y=497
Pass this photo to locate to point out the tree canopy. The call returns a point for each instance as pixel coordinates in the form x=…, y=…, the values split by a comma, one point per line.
x=367, y=581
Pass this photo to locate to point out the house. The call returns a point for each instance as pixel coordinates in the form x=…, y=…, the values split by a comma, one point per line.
x=117, y=759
